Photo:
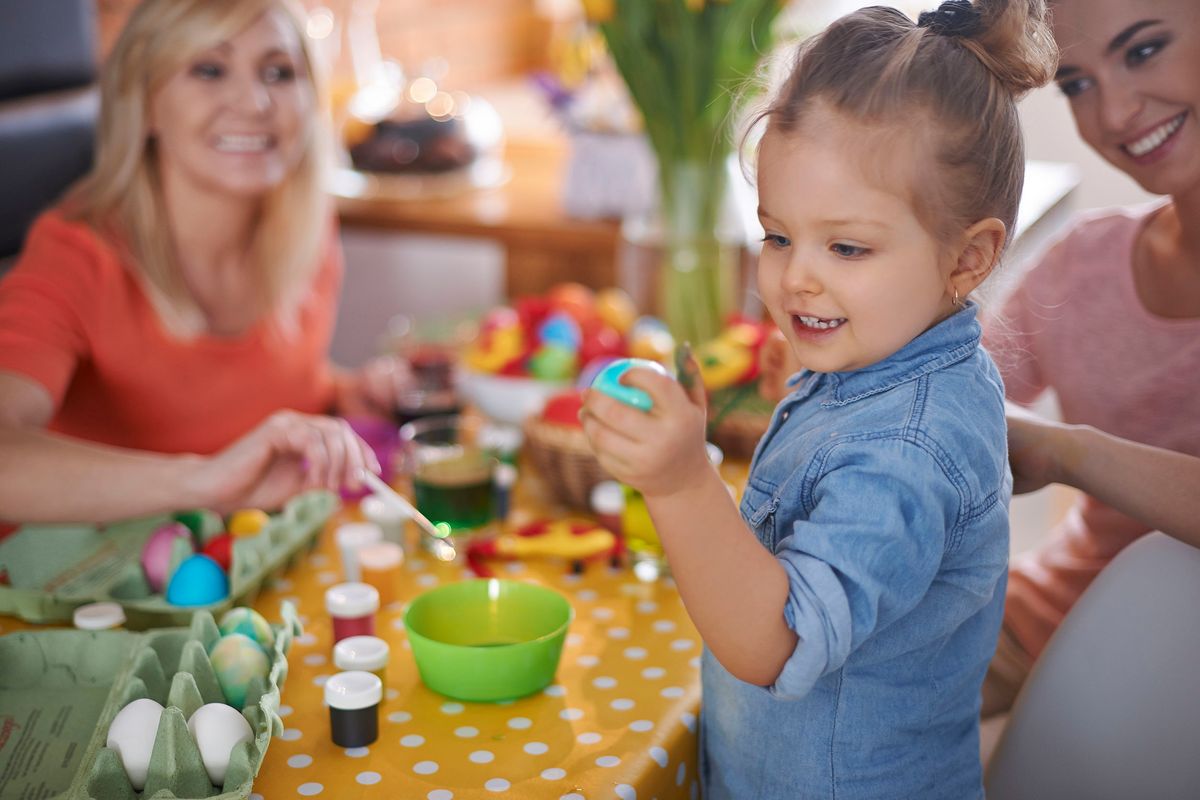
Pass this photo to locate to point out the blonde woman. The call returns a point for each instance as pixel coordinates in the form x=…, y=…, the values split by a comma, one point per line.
x=164, y=335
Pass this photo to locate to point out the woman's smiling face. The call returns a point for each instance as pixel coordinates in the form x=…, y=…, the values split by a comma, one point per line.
x=1131, y=72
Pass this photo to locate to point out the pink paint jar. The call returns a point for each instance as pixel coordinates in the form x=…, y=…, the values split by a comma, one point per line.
x=352, y=607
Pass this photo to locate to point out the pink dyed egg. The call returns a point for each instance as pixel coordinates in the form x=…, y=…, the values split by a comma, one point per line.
x=156, y=553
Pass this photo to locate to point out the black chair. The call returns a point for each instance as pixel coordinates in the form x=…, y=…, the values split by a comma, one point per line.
x=49, y=102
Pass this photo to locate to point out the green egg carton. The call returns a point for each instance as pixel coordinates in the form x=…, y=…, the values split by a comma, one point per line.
x=53, y=569
x=61, y=689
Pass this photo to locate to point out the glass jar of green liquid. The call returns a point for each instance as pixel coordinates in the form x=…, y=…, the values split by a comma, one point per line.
x=641, y=538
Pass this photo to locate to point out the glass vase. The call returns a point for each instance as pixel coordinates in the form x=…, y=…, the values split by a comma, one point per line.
x=682, y=262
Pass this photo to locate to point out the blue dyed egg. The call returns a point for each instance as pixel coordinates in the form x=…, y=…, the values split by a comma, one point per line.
x=561, y=329
x=248, y=622
x=237, y=660
x=199, y=581
x=608, y=381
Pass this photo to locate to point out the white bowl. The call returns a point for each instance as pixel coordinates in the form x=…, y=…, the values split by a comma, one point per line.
x=506, y=398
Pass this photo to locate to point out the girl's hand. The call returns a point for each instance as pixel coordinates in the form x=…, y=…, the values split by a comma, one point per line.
x=658, y=452
x=286, y=454
x=375, y=389
x=776, y=363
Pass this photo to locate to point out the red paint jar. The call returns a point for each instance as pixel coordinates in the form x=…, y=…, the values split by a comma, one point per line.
x=352, y=607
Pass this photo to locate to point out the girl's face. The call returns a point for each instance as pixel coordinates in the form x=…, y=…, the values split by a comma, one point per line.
x=847, y=271
x=235, y=119
x=1131, y=72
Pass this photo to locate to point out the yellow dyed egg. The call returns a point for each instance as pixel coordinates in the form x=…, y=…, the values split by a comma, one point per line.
x=248, y=522
x=616, y=308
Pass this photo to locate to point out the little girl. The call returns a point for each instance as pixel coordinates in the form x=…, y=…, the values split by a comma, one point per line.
x=850, y=610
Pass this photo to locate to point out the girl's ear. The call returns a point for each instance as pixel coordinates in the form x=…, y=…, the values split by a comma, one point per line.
x=978, y=254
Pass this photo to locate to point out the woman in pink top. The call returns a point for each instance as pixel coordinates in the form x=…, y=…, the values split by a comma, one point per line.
x=1110, y=317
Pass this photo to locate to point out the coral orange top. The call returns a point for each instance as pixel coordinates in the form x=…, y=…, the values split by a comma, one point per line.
x=75, y=319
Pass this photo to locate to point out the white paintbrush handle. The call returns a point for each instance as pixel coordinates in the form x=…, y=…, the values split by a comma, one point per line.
x=380, y=488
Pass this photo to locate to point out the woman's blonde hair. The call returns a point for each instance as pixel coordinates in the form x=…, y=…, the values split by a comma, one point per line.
x=122, y=196
x=962, y=68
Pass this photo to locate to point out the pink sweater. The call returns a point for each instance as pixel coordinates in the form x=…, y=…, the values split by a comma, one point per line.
x=1076, y=325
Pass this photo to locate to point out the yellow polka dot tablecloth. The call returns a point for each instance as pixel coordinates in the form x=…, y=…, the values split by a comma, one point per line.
x=619, y=721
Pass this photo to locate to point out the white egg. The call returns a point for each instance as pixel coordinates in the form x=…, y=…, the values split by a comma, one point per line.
x=132, y=735
x=217, y=729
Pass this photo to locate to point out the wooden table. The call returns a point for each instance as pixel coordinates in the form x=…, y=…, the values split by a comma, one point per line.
x=543, y=246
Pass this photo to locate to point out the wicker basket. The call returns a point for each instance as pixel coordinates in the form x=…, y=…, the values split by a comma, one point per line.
x=562, y=456
x=738, y=432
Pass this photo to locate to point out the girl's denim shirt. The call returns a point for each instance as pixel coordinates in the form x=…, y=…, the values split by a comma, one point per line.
x=884, y=494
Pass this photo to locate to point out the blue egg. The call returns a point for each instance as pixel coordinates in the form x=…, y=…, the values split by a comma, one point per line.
x=608, y=381
x=199, y=581
x=561, y=329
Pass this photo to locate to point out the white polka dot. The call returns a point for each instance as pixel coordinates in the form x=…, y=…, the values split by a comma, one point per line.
x=694, y=663
x=425, y=767
x=622, y=704
x=314, y=659
x=653, y=673
x=554, y=690
x=514, y=568
x=321, y=679
x=318, y=559
x=588, y=738
x=572, y=796
x=300, y=761
x=282, y=585
x=285, y=711
x=412, y=740
x=290, y=734
x=663, y=626
x=672, y=692
x=466, y=732
x=635, y=653
x=452, y=708
x=536, y=748
x=607, y=761
x=626, y=792
x=586, y=595
x=618, y=633
x=574, y=640
x=398, y=623
x=603, y=613
x=520, y=723
x=689, y=721
x=647, y=607
x=659, y=755
x=682, y=644
x=256, y=796
x=554, y=774
x=572, y=579
x=358, y=752
x=309, y=789
x=497, y=785
x=394, y=607
x=679, y=773
x=570, y=714
x=399, y=716
x=440, y=794
x=641, y=725
x=604, y=682
x=326, y=578
x=482, y=757
x=417, y=564
x=392, y=694
x=588, y=661
x=406, y=644
x=306, y=639
x=427, y=580
x=368, y=778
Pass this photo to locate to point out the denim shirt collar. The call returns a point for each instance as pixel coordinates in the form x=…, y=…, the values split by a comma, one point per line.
x=948, y=342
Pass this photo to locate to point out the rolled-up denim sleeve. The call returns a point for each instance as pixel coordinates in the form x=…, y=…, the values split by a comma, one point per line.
x=880, y=518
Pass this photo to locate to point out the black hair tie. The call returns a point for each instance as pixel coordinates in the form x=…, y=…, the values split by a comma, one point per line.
x=952, y=18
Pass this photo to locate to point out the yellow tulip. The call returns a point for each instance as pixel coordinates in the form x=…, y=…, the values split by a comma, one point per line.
x=694, y=5
x=599, y=10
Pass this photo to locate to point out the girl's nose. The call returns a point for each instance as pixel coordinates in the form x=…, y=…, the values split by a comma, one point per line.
x=799, y=278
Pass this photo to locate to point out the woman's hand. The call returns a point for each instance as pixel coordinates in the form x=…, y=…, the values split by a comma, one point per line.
x=375, y=389
x=1035, y=449
x=287, y=454
x=658, y=452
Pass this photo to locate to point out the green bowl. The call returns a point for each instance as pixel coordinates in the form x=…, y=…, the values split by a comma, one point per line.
x=488, y=640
